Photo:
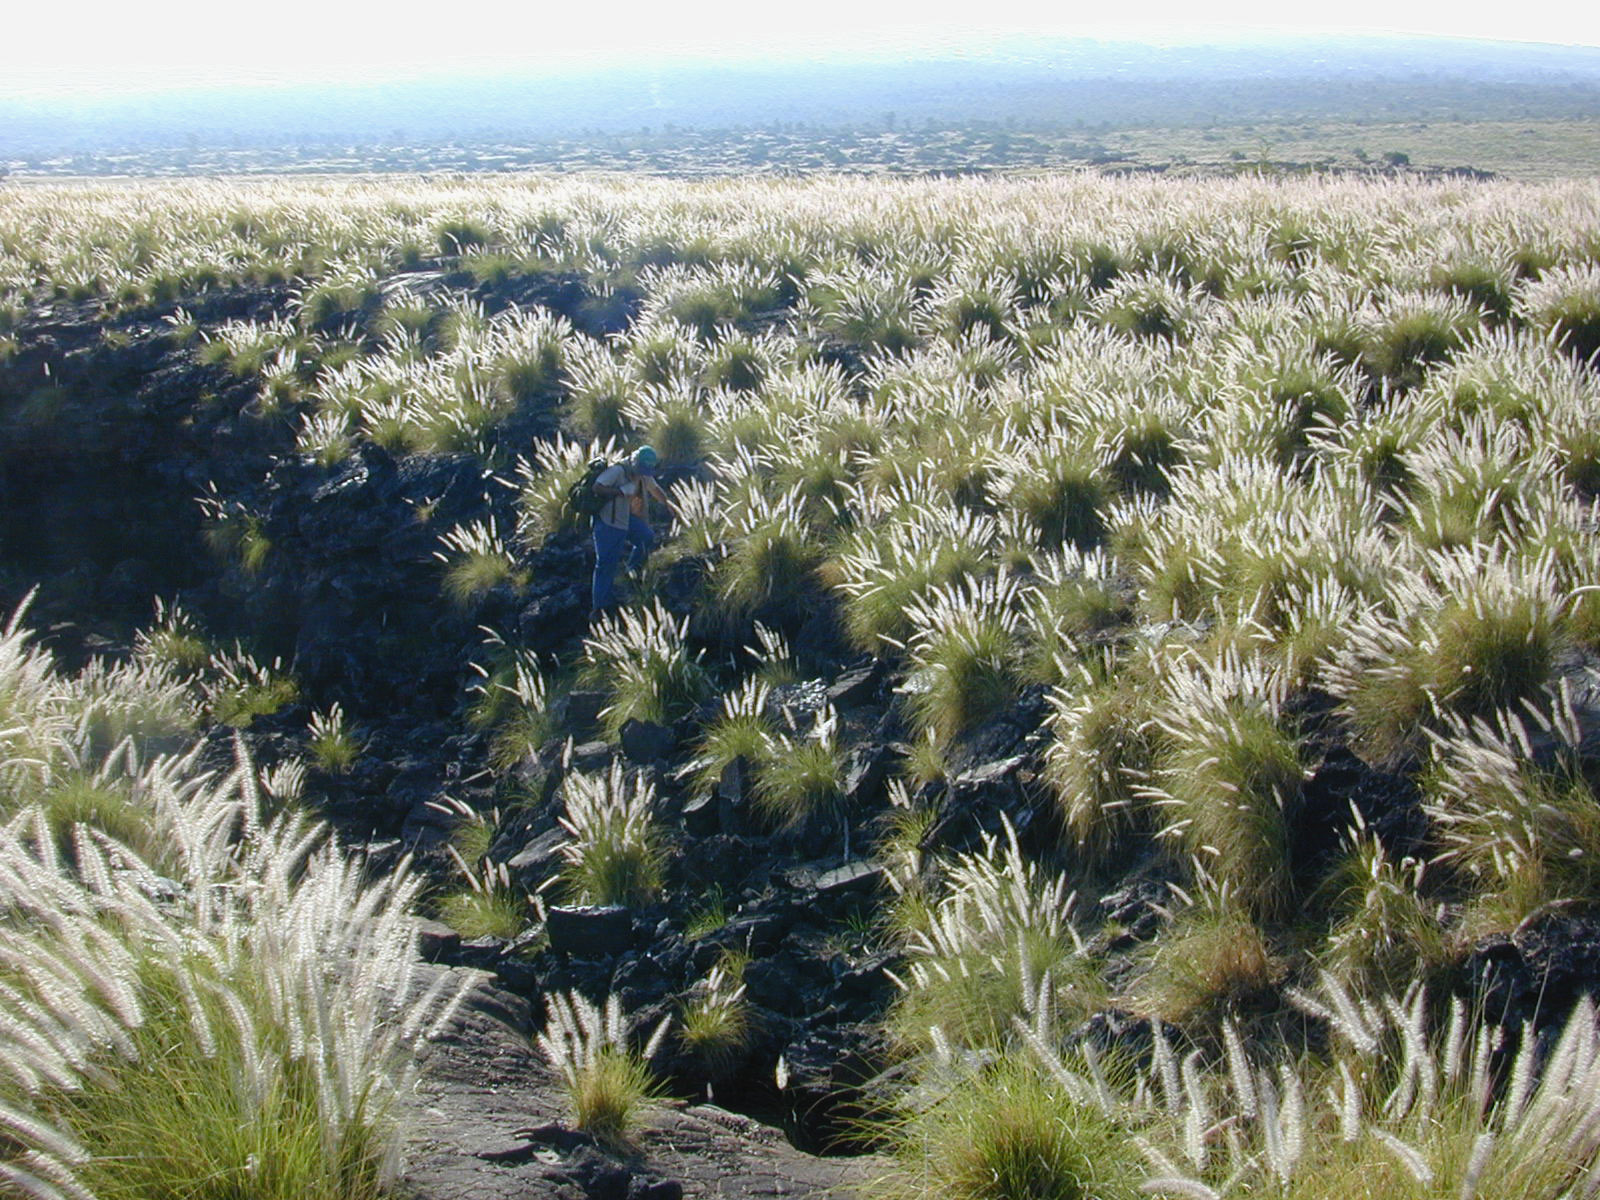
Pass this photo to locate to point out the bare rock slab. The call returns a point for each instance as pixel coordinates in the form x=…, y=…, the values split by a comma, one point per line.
x=487, y=1121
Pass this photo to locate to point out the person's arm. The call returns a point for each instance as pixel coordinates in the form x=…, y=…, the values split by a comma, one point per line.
x=653, y=490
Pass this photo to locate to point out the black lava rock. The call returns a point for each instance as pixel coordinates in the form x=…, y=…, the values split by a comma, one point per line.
x=590, y=931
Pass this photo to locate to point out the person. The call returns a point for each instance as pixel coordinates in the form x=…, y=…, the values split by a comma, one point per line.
x=624, y=486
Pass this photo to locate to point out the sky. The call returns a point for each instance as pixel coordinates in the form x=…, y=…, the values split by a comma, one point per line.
x=61, y=48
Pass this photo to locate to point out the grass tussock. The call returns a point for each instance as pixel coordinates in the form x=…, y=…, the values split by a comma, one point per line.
x=1388, y=931
x=615, y=852
x=964, y=655
x=203, y=995
x=511, y=697
x=489, y=905
x=742, y=733
x=240, y=689
x=1216, y=963
x=642, y=660
x=991, y=939
x=334, y=744
x=1477, y=636
x=1007, y=1133
x=799, y=778
x=1103, y=748
x=1520, y=828
x=609, y=1087
x=715, y=1025
x=1228, y=777
x=477, y=561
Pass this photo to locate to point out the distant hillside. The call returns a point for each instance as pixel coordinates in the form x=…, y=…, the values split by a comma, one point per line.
x=1025, y=84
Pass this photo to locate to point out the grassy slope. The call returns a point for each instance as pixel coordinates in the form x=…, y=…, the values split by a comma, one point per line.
x=1248, y=472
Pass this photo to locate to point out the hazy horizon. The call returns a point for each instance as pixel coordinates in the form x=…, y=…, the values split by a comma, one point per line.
x=1060, y=92
x=181, y=45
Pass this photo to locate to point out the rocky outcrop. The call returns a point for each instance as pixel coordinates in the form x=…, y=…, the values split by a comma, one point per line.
x=109, y=432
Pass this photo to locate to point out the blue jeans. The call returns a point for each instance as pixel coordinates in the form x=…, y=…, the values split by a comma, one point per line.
x=608, y=552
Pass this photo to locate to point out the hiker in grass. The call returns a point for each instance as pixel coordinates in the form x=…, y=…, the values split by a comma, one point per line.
x=624, y=489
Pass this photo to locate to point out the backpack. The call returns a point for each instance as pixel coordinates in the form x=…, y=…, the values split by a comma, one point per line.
x=582, y=500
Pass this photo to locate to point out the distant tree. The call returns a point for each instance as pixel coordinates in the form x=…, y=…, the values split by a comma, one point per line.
x=1397, y=158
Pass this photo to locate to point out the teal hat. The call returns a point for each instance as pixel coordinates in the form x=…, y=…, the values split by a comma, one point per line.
x=645, y=459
